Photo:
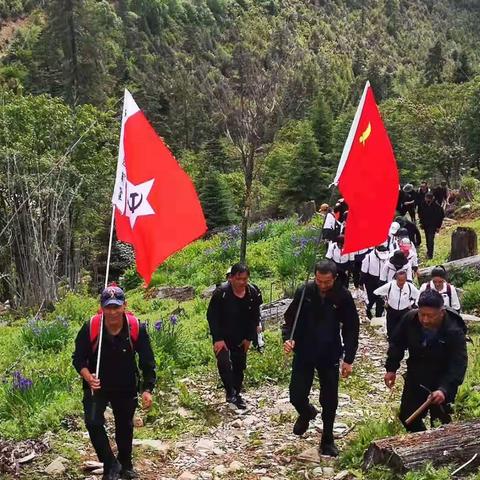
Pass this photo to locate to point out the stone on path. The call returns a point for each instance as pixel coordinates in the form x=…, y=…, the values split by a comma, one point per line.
x=311, y=456
x=57, y=467
x=236, y=466
x=206, y=445
x=187, y=476
x=162, y=447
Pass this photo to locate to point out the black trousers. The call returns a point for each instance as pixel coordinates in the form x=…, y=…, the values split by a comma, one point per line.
x=231, y=365
x=371, y=284
x=412, y=397
x=301, y=383
x=430, y=241
x=411, y=211
x=343, y=270
x=123, y=407
x=393, y=317
x=357, y=270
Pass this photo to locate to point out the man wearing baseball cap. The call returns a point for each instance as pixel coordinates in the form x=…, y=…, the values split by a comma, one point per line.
x=117, y=337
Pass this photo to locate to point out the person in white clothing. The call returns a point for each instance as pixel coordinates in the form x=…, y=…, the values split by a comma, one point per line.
x=408, y=249
x=397, y=261
x=332, y=225
x=400, y=296
x=372, y=266
x=440, y=284
x=343, y=262
x=392, y=237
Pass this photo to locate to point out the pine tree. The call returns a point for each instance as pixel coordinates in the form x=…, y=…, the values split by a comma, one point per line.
x=463, y=69
x=217, y=206
x=435, y=64
x=322, y=120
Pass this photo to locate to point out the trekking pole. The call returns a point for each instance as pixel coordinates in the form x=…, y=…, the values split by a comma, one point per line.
x=302, y=297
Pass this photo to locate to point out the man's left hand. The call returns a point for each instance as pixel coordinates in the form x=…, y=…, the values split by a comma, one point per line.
x=438, y=397
x=146, y=400
x=346, y=369
x=246, y=345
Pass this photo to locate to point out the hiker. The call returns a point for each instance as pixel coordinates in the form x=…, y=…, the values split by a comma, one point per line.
x=332, y=225
x=431, y=218
x=400, y=296
x=343, y=262
x=412, y=230
x=397, y=261
x=421, y=192
x=392, y=237
x=440, y=193
x=408, y=249
x=233, y=316
x=437, y=359
x=356, y=268
x=408, y=203
x=326, y=309
x=372, y=267
x=118, y=382
x=440, y=284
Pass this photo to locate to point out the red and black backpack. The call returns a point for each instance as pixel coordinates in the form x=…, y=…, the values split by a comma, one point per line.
x=133, y=329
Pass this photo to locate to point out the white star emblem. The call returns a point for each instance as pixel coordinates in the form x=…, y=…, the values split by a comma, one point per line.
x=137, y=200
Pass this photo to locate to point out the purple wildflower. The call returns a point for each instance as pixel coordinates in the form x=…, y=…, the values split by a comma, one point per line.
x=173, y=320
x=20, y=382
x=158, y=326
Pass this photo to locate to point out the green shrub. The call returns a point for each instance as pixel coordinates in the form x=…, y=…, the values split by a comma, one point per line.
x=467, y=402
x=131, y=279
x=45, y=335
x=76, y=308
x=471, y=296
x=460, y=276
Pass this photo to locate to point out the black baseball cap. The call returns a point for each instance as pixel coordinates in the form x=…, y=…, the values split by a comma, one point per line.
x=112, y=296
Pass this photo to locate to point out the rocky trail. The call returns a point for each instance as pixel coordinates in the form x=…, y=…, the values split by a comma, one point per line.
x=256, y=443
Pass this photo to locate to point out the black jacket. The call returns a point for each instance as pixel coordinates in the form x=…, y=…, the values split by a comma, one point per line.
x=439, y=364
x=431, y=216
x=317, y=335
x=234, y=319
x=118, y=366
x=413, y=232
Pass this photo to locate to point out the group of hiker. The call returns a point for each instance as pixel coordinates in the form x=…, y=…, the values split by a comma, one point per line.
x=321, y=328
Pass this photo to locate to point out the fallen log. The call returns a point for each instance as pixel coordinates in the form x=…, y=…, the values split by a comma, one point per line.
x=273, y=312
x=453, y=444
x=474, y=261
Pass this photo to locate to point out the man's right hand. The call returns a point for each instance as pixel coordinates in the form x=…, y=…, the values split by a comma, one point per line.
x=94, y=382
x=389, y=379
x=288, y=346
x=219, y=346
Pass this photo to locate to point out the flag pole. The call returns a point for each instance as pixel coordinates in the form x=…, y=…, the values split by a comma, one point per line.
x=302, y=297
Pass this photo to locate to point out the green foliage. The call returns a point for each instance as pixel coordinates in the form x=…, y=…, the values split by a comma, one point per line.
x=471, y=296
x=76, y=308
x=44, y=335
x=321, y=118
x=216, y=202
x=368, y=431
x=435, y=64
x=461, y=276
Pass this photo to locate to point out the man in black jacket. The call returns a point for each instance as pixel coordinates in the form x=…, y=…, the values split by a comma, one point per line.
x=412, y=230
x=431, y=219
x=327, y=308
x=233, y=316
x=118, y=380
x=435, y=339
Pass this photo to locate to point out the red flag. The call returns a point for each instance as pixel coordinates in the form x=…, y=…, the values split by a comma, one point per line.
x=157, y=207
x=367, y=177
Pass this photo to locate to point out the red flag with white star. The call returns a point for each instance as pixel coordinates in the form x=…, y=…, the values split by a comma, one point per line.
x=157, y=207
x=367, y=177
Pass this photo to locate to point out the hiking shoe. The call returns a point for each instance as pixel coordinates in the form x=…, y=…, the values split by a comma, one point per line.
x=303, y=421
x=114, y=473
x=232, y=398
x=369, y=314
x=240, y=403
x=329, y=449
x=128, y=474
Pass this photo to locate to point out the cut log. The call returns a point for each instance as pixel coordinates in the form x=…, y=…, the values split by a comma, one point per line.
x=424, y=273
x=273, y=312
x=464, y=243
x=453, y=444
x=181, y=294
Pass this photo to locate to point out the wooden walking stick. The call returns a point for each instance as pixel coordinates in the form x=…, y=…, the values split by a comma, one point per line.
x=424, y=406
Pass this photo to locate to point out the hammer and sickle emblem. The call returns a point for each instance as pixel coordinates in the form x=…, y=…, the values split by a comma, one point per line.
x=132, y=205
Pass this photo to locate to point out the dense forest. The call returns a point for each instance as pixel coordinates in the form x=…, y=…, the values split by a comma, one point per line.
x=255, y=98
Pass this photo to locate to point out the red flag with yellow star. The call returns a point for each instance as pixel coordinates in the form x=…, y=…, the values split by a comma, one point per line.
x=367, y=177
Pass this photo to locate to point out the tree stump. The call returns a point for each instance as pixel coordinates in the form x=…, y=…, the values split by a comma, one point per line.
x=453, y=444
x=307, y=211
x=464, y=243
